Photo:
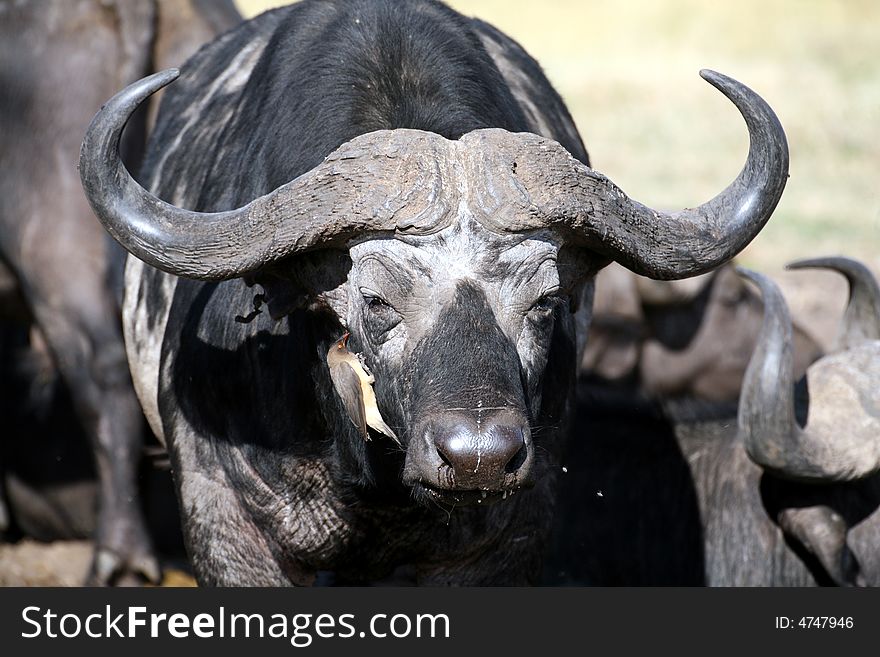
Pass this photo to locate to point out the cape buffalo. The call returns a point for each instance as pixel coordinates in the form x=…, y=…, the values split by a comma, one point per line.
x=679, y=339
x=398, y=172
x=788, y=495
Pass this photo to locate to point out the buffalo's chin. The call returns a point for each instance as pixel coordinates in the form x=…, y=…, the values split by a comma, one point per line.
x=430, y=496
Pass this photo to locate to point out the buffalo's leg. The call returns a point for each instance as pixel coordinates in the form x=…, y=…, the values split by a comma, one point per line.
x=73, y=308
x=12, y=308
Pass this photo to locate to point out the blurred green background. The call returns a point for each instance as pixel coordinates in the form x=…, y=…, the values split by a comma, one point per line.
x=628, y=71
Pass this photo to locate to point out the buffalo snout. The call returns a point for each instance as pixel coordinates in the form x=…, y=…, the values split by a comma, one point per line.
x=485, y=451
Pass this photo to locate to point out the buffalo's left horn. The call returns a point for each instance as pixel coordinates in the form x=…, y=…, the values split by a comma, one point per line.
x=861, y=320
x=841, y=440
x=363, y=188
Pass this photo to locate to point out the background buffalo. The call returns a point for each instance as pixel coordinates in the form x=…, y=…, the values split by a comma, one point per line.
x=65, y=375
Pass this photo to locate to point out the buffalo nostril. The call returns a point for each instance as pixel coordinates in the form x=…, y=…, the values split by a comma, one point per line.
x=508, y=446
x=444, y=458
x=453, y=446
x=517, y=461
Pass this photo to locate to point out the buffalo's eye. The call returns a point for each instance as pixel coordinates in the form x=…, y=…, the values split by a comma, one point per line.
x=545, y=306
x=379, y=317
x=377, y=305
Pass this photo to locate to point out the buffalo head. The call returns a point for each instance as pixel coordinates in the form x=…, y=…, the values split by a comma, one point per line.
x=821, y=477
x=841, y=439
x=465, y=264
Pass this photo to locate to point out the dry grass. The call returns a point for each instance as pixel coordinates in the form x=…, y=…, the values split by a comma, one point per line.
x=628, y=71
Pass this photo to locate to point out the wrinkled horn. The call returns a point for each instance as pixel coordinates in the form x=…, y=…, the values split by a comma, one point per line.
x=357, y=190
x=841, y=441
x=861, y=320
x=374, y=185
x=660, y=245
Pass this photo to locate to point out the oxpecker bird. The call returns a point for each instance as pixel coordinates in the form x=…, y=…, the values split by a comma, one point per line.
x=354, y=385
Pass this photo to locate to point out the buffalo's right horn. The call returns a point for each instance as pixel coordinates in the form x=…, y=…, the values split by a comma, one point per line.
x=861, y=320
x=372, y=185
x=841, y=440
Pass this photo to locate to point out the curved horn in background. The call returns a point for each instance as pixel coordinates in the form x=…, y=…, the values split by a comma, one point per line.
x=841, y=441
x=861, y=320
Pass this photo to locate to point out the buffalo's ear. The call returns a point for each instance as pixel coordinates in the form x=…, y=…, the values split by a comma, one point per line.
x=301, y=281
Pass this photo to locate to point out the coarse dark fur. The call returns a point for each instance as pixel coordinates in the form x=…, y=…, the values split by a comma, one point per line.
x=250, y=404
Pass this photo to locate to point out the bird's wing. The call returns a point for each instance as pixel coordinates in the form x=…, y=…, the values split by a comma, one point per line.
x=348, y=387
